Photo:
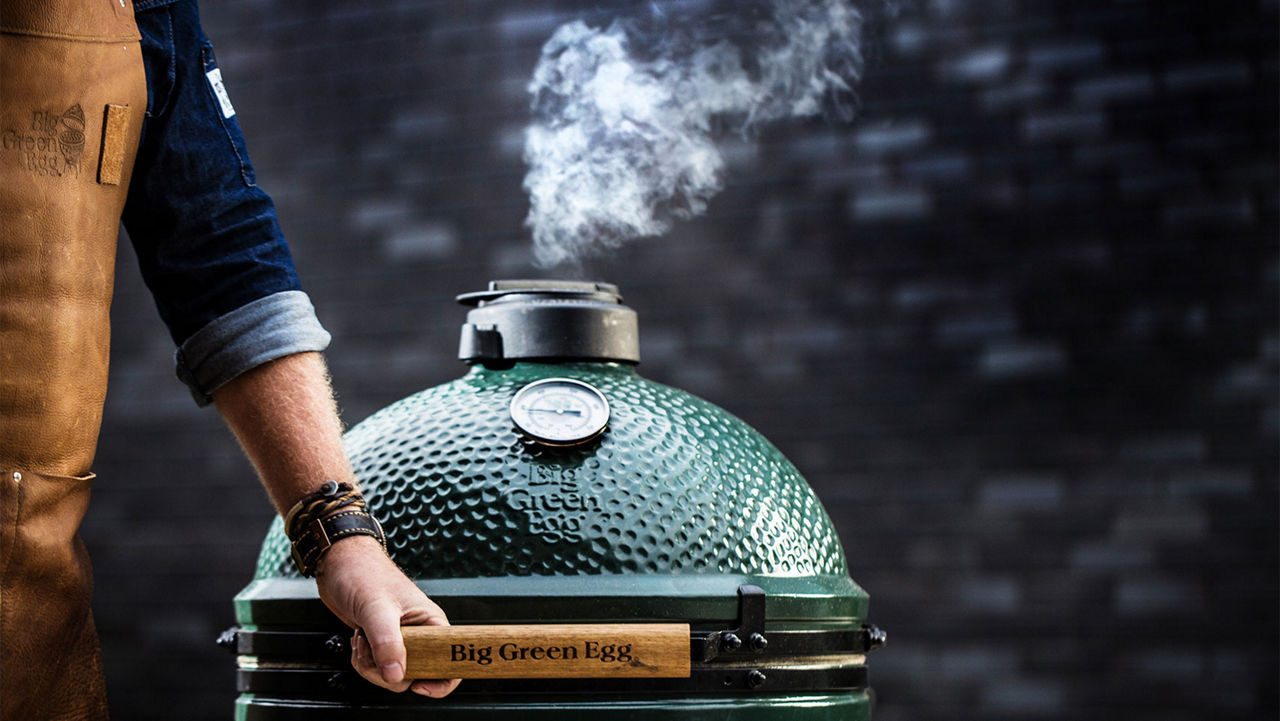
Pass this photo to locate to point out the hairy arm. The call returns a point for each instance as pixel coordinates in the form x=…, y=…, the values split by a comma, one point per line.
x=285, y=418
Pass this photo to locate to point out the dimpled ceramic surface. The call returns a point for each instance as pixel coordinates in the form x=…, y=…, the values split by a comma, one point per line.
x=674, y=485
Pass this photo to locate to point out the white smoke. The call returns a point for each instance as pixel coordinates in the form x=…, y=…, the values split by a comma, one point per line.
x=626, y=117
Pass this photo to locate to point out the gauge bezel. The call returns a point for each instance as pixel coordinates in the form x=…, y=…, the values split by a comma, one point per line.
x=524, y=424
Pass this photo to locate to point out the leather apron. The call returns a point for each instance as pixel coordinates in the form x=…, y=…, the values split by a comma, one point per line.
x=72, y=100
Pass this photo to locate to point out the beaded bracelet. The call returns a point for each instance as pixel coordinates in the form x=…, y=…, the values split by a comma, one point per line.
x=322, y=518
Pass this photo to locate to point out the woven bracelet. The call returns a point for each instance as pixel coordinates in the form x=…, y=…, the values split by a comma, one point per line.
x=330, y=496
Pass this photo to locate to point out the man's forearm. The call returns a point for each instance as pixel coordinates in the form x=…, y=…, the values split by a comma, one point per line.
x=284, y=416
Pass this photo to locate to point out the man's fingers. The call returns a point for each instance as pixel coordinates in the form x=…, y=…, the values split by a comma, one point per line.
x=362, y=661
x=381, y=625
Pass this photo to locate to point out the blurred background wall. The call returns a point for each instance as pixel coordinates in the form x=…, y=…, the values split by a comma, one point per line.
x=1016, y=322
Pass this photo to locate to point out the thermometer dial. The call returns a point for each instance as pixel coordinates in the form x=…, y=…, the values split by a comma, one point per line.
x=560, y=411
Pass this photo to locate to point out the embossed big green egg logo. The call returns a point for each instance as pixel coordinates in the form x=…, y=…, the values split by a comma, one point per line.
x=51, y=145
x=556, y=504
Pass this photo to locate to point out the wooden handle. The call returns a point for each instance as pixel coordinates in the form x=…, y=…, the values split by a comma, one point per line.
x=644, y=650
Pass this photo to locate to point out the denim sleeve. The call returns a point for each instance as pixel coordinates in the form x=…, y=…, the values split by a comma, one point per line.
x=208, y=241
x=266, y=329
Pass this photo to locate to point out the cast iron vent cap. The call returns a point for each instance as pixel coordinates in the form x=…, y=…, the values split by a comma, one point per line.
x=548, y=320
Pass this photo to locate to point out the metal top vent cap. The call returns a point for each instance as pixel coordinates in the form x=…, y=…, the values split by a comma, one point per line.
x=549, y=320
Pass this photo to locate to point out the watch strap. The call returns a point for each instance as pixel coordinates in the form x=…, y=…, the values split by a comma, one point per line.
x=319, y=534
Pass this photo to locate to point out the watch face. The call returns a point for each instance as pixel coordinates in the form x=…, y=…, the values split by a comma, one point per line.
x=560, y=411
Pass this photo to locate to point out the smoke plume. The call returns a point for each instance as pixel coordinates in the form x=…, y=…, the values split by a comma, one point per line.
x=625, y=118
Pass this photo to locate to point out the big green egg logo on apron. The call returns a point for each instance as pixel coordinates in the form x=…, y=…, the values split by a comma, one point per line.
x=51, y=145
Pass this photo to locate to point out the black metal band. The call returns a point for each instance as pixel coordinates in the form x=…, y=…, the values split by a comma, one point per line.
x=349, y=687
x=313, y=646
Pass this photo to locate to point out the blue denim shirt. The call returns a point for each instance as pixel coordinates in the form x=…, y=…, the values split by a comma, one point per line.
x=207, y=238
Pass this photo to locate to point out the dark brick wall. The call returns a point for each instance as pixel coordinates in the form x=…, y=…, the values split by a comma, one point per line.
x=1016, y=322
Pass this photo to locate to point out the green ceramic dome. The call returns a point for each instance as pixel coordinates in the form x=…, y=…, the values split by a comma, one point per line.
x=674, y=485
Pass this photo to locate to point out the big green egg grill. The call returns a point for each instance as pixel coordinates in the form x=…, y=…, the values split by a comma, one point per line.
x=553, y=484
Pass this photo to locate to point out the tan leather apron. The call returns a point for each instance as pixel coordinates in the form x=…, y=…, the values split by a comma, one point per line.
x=72, y=99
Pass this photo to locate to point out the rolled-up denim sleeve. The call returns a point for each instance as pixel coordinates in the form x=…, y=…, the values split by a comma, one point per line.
x=278, y=325
x=208, y=241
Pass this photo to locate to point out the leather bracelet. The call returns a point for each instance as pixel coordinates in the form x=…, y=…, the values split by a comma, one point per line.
x=320, y=519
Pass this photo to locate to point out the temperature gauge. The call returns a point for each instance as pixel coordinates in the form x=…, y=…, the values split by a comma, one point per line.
x=560, y=411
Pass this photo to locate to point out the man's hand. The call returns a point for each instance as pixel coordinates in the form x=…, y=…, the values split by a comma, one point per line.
x=364, y=588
